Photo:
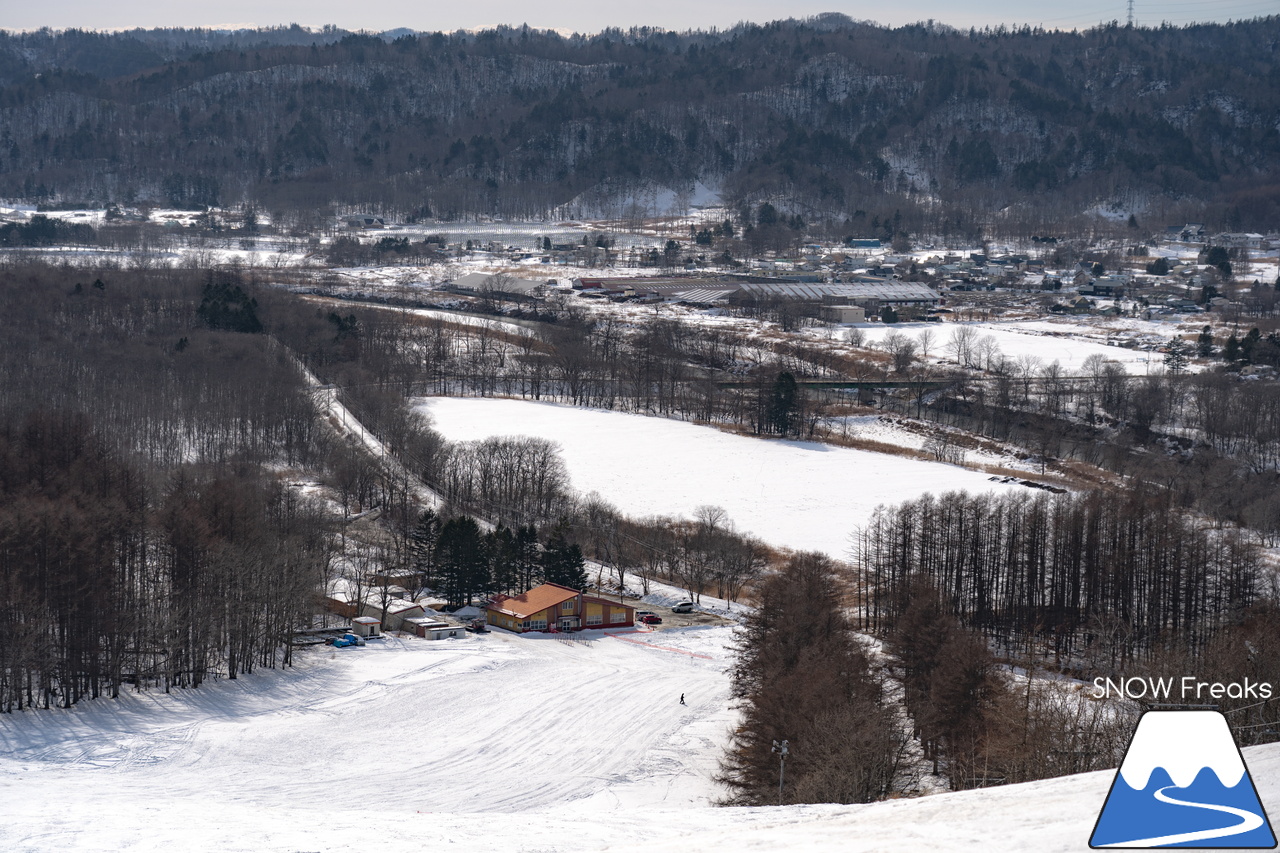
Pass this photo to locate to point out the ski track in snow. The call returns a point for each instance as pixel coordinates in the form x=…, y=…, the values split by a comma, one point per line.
x=499, y=724
x=538, y=744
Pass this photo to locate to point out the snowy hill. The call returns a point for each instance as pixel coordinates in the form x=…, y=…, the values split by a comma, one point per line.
x=490, y=743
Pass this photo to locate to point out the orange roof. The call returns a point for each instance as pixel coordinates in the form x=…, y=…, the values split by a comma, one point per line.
x=537, y=599
x=607, y=601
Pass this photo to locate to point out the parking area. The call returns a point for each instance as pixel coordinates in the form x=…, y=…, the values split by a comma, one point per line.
x=671, y=619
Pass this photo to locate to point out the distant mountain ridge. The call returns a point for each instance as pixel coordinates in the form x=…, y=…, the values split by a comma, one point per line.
x=918, y=128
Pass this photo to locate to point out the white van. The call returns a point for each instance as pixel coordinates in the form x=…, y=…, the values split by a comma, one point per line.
x=682, y=607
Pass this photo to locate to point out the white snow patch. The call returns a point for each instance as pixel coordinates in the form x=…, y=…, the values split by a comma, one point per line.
x=795, y=494
x=1041, y=340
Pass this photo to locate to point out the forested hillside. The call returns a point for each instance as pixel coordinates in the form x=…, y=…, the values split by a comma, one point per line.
x=853, y=124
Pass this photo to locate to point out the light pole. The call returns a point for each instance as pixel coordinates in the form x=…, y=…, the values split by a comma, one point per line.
x=781, y=749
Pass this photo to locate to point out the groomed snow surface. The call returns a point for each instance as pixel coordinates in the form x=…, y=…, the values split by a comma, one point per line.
x=400, y=741
x=794, y=494
x=540, y=743
x=496, y=742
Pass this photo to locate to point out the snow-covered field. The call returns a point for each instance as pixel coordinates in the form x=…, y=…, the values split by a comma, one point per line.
x=795, y=494
x=496, y=742
x=1068, y=343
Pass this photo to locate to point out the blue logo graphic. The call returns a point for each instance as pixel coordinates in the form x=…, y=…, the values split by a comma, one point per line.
x=1183, y=783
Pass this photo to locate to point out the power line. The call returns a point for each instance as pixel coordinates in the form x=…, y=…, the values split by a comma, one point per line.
x=1247, y=707
x=1256, y=5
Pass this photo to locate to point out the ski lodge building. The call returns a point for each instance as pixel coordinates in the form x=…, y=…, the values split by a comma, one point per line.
x=551, y=606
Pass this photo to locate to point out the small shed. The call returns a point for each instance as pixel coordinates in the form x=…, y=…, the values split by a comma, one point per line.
x=366, y=626
x=433, y=629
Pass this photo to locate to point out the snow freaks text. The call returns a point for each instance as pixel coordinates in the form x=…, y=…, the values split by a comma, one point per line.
x=1188, y=688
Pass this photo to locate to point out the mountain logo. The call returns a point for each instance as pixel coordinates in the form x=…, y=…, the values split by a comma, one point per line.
x=1183, y=783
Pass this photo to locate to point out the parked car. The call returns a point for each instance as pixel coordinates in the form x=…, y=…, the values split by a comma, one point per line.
x=344, y=641
x=651, y=619
x=683, y=607
x=641, y=613
x=478, y=626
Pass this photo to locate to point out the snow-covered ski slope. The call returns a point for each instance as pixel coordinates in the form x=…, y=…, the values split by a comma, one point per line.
x=496, y=742
x=796, y=494
x=388, y=740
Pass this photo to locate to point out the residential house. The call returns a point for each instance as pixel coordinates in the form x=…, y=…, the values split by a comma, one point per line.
x=1108, y=285
x=551, y=606
x=1192, y=232
x=1239, y=240
x=1183, y=305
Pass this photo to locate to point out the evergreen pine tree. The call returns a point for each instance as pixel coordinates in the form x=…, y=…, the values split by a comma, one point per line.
x=1204, y=343
x=500, y=546
x=1249, y=346
x=461, y=561
x=527, y=556
x=226, y=306
x=1175, y=356
x=783, y=405
x=562, y=560
x=422, y=547
x=1231, y=352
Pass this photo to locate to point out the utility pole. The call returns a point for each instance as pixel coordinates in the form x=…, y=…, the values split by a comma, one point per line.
x=781, y=749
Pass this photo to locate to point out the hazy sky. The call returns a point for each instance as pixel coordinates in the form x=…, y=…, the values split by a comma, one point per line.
x=593, y=15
